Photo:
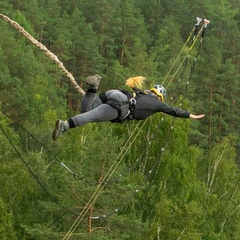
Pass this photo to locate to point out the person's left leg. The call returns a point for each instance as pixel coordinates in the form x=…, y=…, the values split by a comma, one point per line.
x=89, y=102
x=90, y=99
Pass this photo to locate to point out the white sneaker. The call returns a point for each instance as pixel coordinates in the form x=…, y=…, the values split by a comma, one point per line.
x=60, y=127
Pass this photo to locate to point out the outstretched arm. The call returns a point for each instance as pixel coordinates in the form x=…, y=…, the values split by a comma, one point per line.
x=196, y=116
x=177, y=112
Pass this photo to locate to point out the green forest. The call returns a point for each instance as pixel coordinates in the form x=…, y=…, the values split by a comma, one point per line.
x=163, y=178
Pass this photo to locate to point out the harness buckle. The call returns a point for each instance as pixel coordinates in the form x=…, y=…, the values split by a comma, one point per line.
x=132, y=101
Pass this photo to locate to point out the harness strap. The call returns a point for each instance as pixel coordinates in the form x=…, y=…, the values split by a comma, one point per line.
x=132, y=96
x=132, y=104
x=132, y=101
x=116, y=104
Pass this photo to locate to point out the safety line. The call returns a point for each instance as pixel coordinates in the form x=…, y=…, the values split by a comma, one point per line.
x=95, y=195
x=184, y=45
x=192, y=68
x=191, y=71
x=107, y=176
x=193, y=30
x=189, y=51
x=155, y=165
x=69, y=75
x=101, y=186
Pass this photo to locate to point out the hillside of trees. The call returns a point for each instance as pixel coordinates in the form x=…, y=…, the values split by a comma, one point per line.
x=162, y=178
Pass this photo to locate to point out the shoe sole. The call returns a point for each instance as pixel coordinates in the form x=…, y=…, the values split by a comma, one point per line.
x=55, y=133
x=93, y=80
x=93, y=83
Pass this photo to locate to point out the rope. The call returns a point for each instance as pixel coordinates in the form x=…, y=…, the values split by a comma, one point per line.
x=155, y=165
x=45, y=50
x=32, y=173
x=105, y=180
x=189, y=51
x=188, y=39
x=76, y=86
x=55, y=157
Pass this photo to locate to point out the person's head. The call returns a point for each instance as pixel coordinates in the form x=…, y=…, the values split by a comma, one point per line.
x=159, y=91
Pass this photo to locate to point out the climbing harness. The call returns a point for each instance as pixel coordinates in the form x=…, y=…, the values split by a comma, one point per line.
x=124, y=106
x=132, y=101
x=132, y=104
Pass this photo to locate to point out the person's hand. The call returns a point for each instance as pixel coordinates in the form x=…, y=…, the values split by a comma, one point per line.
x=196, y=116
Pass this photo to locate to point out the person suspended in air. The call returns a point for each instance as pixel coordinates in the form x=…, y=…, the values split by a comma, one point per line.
x=120, y=105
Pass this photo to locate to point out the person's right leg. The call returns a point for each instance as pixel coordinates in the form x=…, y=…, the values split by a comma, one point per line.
x=102, y=113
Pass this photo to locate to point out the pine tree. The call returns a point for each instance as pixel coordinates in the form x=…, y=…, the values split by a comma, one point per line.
x=6, y=226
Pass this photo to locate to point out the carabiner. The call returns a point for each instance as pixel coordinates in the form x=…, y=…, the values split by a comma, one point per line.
x=132, y=101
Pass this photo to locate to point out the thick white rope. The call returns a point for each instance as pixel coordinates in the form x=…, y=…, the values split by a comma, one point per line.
x=45, y=50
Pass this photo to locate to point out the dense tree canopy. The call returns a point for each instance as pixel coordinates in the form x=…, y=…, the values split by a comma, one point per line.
x=171, y=179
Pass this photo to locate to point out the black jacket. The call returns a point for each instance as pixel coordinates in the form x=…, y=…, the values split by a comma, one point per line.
x=148, y=104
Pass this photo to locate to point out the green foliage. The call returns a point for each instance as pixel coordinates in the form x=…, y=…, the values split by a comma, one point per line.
x=178, y=179
x=6, y=223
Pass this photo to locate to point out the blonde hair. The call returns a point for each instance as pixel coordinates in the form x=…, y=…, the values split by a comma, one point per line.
x=135, y=82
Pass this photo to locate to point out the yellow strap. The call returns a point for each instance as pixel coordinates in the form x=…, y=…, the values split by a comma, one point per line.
x=154, y=90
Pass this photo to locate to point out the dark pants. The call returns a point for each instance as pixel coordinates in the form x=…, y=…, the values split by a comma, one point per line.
x=93, y=110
